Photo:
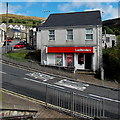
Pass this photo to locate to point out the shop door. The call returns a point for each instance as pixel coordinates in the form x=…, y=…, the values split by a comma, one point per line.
x=88, y=61
x=81, y=61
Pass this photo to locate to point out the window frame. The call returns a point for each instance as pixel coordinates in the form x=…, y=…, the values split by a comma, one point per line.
x=53, y=35
x=107, y=39
x=69, y=35
x=88, y=33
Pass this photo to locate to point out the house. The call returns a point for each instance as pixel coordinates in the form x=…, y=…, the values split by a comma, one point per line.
x=72, y=40
x=2, y=32
x=15, y=26
x=108, y=40
x=14, y=33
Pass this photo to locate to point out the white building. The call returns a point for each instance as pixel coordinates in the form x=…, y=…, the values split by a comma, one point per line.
x=108, y=40
x=15, y=26
x=71, y=40
x=2, y=32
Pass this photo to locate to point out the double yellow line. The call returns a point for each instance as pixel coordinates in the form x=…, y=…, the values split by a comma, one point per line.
x=41, y=102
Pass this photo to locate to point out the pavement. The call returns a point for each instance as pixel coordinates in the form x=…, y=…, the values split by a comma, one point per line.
x=16, y=102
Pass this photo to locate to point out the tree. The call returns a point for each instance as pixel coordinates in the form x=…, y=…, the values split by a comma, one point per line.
x=118, y=40
x=10, y=20
x=111, y=61
x=108, y=30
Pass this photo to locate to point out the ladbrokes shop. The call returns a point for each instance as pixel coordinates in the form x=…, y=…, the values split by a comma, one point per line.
x=79, y=57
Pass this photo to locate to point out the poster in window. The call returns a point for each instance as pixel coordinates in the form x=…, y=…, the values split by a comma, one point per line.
x=59, y=60
x=69, y=60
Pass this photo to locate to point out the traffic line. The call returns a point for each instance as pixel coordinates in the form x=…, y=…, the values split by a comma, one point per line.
x=109, y=99
x=35, y=70
x=21, y=96
x=41, y=102
x=38, y=75
x=44, y=83
x=3, y=72
x=73, y=85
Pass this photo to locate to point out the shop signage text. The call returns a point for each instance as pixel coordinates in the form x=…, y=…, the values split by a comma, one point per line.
x=70, y=50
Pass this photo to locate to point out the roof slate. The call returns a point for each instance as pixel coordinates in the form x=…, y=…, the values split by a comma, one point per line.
x=73, y=19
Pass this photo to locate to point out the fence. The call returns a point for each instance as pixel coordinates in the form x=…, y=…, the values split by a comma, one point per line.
x=6, y=49
x=73, y=103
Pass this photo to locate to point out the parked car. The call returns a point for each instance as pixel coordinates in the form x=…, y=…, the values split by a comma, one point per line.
x=9, y=40
x=19, y=45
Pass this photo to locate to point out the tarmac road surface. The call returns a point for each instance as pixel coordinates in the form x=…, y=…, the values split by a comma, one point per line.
x=33, y=84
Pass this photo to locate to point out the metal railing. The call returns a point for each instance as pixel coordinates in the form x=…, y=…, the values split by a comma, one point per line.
x=73, y=103
x=6, y=49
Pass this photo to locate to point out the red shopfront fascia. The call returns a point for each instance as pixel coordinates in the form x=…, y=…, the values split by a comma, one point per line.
x=69, y=49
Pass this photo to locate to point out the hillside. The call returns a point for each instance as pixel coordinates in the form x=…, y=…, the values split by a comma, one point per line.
x=112, y=26
x=20, y=19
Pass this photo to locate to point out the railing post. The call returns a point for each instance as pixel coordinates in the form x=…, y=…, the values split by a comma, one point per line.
x=72, y=104
x=103, y=107
x=46, y=97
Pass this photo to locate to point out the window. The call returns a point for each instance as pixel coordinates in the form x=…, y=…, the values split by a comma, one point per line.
x=89, y=34
x=69, y=60
x=107, y=39
x=51, y=34
x=59, y=60
x=70, y=34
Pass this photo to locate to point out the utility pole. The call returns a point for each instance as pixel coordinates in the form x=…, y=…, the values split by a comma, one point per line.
x=6, y=24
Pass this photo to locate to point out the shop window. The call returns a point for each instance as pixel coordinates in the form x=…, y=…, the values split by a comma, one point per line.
x=69, y=60
x=51, y=34
x=59, y=60
x=69, y=34
x=89, y=34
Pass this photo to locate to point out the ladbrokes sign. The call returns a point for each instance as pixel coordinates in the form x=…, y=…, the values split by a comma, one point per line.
x=69, y=50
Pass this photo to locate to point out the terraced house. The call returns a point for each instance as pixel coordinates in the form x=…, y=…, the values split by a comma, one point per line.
x=72, y=40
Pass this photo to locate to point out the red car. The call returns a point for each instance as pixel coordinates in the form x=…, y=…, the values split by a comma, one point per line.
x=19, y=45
x=9, y=40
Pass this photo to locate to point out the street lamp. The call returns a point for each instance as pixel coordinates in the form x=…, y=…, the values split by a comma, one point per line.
x=6, y=23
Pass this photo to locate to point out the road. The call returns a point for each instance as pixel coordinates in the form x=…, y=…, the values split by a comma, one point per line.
x=33, y=84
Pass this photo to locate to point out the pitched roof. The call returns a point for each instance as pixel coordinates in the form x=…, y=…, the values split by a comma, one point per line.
x=15, y=30
x=73, y=19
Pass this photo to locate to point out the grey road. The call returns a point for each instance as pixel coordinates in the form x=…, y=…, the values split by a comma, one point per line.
x=33, y=84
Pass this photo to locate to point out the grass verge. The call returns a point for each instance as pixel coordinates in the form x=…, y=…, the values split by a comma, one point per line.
x=0, y=97
x=19, y=55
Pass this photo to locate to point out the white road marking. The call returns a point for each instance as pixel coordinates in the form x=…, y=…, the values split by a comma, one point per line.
x=73, y=85
x=44, y=83
x=42, y=76
x=3, y=72
x=104, y=98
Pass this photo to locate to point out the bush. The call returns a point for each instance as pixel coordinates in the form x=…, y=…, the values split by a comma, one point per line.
x=34, y=55
x=111, y=61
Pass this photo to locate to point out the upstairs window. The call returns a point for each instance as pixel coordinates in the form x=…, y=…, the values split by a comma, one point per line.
x=51, y=34
x=107, y=39
x=89, y=34
x=69, y=34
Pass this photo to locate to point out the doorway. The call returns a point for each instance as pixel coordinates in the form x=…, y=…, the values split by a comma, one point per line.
x=88, y=61
x=81, y=61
